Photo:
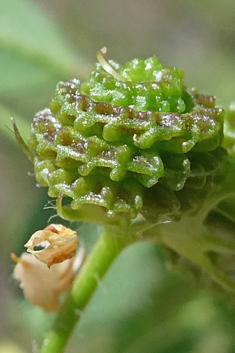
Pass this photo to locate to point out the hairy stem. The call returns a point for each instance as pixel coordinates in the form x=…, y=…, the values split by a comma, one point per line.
x=107, y=248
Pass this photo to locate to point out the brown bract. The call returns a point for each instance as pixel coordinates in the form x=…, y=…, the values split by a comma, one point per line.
x=59, y=243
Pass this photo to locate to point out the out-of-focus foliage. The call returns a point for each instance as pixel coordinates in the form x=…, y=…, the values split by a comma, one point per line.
x=140, y=306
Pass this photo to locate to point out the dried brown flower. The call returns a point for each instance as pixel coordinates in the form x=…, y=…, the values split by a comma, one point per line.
x=59, y=243
x=42, y=285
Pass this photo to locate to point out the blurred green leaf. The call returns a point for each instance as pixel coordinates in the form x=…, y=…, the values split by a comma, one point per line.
x=31, y=47
x=6, y=125
x=9, y=347
x=34, y=56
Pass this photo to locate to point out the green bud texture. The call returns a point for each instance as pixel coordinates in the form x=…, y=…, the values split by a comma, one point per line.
x=131, y=142
x=120, y=144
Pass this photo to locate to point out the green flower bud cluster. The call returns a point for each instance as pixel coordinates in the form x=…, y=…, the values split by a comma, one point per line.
x=97, y=144
x=131, y=147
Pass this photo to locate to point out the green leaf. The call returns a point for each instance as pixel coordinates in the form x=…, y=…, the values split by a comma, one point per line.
x=6, y=124
x=32, y=49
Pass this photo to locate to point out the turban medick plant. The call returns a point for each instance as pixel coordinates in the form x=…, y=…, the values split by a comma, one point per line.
x=131, y=149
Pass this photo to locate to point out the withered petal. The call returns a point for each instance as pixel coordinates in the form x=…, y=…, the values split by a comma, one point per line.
x=43, y=286
x=61, y=244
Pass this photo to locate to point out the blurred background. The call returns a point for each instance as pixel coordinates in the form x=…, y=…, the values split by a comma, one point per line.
x=141, y=306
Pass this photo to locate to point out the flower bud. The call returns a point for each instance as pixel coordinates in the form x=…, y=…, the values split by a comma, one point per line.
x=126, y=135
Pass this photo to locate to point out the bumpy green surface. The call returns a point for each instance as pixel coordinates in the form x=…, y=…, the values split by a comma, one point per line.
x=229, y=130
x=144, y=84
x=130, y=145
x=132, y=149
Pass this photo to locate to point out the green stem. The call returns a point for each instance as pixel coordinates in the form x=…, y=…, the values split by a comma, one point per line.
x=105, y=251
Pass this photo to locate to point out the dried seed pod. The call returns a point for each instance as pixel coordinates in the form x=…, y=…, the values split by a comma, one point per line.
x=59, y=243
